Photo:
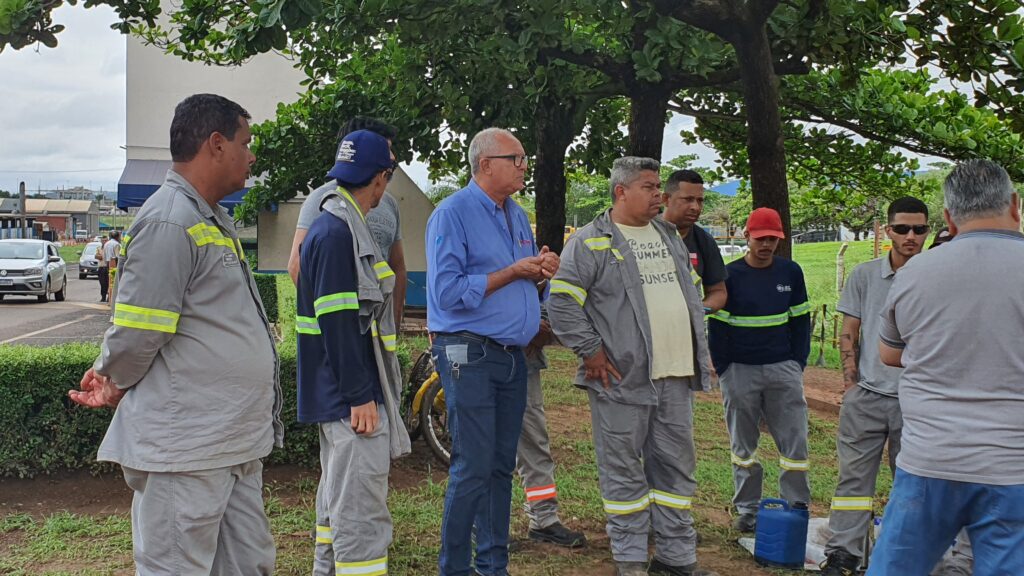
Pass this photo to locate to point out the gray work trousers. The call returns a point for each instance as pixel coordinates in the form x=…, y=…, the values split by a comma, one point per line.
x=533, y=458
x=202, y=522
x=775, y=392
x=353, y=525
x=645, y=464
x=867, y=422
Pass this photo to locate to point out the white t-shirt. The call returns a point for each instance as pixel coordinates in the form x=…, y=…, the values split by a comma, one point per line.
x=111, y=251
x=671, y=338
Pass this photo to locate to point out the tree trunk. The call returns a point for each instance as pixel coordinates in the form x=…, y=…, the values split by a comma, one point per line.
x=554, y=131
x=764, y=127
x=648, y=108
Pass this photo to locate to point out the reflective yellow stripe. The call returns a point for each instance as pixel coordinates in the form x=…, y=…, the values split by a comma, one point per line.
x=694, y=276
x=390, y=342
x=323, y=535
x=204, y=234
x=601, y=243
x=124, y=245
x=373, y=328
x=751, y=321
x=744, y=462
x=334, y=302
x=630, y=507
x=377, y=567
x=146, y=318
x=306, y=325
x=800, y=309
x=383, y=270
x=617, y=254
x=662, y=498
x=851, y=503
x=351, y=201
x=562, y=287
x=797, y=465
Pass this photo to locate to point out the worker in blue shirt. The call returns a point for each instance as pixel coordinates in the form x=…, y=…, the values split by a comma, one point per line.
x=348, y=374
x=485, y=280
x=759, y=346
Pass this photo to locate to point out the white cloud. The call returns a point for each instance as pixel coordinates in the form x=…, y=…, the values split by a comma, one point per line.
x=64, y=108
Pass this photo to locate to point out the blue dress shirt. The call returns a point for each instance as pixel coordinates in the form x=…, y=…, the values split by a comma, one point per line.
x=468, y=237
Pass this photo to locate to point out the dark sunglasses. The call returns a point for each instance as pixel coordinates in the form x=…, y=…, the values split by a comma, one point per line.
x=919, y=229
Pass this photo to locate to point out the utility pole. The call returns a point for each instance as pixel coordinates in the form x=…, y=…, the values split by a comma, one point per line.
x=21, y=209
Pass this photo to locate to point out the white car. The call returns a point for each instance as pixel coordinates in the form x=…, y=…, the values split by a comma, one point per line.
x=731, y=251
x=32, y=268
x=88, y=265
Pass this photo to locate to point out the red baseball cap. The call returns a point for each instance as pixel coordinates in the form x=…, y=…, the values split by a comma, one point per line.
x=765, y=222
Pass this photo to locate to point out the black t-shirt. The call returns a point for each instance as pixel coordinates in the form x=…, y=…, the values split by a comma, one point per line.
x=705, y=257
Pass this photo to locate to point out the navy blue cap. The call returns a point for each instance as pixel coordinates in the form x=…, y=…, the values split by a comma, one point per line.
x=360, y=155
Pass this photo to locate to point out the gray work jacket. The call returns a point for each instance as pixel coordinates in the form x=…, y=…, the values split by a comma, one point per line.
x=190, y=343
x=376, y=311
x=597, y=299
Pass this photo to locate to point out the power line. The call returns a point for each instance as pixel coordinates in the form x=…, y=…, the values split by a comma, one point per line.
x=60, y=171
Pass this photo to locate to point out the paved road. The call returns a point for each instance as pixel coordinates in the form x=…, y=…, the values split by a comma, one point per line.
x=80, y=318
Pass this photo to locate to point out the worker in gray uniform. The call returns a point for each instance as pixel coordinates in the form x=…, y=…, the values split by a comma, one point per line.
x=349, y=378
x=624, y=302
x=190, y=363
x=533, y=455
x=870, y=416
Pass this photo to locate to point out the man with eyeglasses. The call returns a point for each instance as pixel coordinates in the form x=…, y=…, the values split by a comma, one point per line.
x=870, y=416
x=384, y=221
x=485, y=281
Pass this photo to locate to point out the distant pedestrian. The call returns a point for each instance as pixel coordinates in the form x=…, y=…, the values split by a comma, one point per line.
x=190, y=363
x=954, y=319
x=111, y=254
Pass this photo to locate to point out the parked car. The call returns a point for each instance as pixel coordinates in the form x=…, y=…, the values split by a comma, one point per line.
x=731, y=251
x=88, y=265
x=32, y=268
x=81, y=234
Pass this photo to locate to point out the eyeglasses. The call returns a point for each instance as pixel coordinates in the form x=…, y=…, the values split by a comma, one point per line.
x=517, y=159
x=918, y=229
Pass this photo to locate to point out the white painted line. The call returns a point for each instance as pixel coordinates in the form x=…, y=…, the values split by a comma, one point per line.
x=30, y=334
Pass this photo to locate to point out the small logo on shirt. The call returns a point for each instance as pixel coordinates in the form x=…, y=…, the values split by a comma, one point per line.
x=230, y=259
x=782, y=288
x=526, y=242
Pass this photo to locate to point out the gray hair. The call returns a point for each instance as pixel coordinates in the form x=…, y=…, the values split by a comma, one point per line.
x=485, y=142
x=628, y=168
x=977, y=189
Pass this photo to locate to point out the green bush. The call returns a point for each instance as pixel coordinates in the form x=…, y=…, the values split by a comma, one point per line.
x=42, y=431
x=267, y=285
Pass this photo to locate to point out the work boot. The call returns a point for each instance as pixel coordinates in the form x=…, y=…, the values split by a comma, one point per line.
x=840, y=563
x=559, y=535
x=630, y=568
x=659, y=568
x=745, y=522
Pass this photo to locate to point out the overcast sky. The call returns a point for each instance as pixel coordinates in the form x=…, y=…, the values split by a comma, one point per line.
x=63, y=110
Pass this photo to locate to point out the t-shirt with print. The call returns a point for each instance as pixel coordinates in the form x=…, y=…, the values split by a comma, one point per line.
x=958, y=315
x=863, y=298
x=672, y=342
x=383, y=221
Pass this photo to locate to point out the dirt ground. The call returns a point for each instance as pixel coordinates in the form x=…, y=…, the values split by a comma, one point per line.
x=81, y=493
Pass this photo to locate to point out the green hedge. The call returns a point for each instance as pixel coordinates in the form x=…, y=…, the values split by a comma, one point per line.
x=42, y=431
x=267, y=285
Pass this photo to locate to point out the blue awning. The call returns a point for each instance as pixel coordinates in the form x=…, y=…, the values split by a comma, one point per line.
x=142, y=177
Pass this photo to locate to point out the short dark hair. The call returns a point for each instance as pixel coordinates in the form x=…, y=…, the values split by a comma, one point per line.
x=680, y=176
x=380, y=127
x=115, y=235
x=353, y=186
x=907, y=205
x=199, y=116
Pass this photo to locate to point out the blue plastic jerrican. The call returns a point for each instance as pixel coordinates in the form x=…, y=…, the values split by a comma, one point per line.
x=781, y=538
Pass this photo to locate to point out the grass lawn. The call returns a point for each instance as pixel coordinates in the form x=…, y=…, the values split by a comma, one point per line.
x=63, y=543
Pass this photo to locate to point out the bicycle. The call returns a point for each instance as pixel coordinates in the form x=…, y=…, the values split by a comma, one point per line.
x=423, y=409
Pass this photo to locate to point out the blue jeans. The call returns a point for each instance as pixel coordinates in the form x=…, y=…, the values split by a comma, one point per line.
x=924, y=515
x=485, y=392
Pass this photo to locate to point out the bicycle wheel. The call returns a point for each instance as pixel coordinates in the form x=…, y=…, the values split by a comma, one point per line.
x=434, y=421
x=421, y=370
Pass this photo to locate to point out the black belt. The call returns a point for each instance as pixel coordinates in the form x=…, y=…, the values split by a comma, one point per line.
x=481, y=339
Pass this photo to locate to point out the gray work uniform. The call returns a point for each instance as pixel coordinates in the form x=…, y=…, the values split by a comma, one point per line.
x=384, y=221
x=191, y=346
x=533, y=455
x=870, y=416
x=642, y=428
x=353, y=526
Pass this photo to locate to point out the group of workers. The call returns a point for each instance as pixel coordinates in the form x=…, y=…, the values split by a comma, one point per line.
x=640, y=295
